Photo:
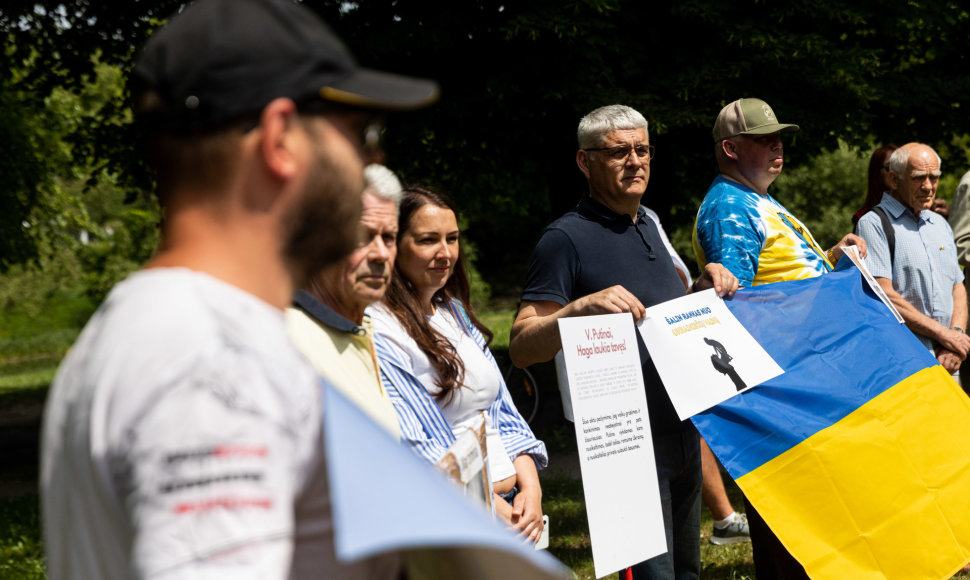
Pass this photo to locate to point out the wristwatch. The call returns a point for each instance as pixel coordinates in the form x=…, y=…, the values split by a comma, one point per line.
x=958, y=329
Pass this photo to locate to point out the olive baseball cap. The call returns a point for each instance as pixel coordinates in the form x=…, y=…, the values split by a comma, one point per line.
x=748, y=117
x=219, y=60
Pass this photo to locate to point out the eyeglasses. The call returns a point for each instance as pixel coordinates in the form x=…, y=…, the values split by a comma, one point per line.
x=620, y=153
x=367, y=128
x=370, y=136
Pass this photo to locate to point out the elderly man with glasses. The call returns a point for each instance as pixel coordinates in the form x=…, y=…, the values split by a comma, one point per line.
x=606, y=256
x=913, y=256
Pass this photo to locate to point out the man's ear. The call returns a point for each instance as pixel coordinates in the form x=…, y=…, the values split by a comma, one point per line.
x=582, y=160
x=730, y=149
x=278, y=128
x=892, y=181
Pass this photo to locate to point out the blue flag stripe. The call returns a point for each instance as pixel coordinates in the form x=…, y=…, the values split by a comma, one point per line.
x=864, y=352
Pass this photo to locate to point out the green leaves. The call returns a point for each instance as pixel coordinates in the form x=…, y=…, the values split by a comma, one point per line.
x=516, y=78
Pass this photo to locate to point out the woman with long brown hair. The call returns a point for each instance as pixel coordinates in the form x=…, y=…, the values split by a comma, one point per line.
x=877, y=179
x=436, y=366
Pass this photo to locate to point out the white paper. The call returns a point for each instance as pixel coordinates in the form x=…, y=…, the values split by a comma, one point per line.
x=609, y=407
x=702, y=353
x=466, y=463
x=853, y=253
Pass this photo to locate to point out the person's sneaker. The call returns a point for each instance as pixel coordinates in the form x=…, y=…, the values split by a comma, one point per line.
x=735, y=533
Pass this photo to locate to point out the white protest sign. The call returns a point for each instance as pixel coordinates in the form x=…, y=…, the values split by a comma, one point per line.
x=702, y=353
x=609, y=408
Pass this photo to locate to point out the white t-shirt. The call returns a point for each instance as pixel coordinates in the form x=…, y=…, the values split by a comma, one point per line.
x=480, y=386
x=182, y=438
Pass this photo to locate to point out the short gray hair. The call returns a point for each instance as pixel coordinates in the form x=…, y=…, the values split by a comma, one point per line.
x=382, y=184
x=605, y=120
x=900, y=158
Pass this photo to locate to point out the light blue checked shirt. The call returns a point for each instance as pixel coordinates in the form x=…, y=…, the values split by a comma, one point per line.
x=422, y=423
x=925, y=268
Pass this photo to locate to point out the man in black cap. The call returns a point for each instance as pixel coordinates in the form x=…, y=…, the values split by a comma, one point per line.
x=182, y=433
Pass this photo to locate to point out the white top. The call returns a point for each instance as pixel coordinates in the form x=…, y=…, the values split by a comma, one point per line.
x=181, y=438
x=480, y=385
x=678, y=262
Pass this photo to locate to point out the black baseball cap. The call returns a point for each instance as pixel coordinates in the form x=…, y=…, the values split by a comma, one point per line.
x=220, y=60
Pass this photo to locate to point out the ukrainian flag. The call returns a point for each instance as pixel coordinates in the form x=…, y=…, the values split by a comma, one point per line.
x=858, y=457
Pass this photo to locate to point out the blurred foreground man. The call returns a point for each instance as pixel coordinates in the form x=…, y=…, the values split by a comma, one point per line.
x=327, y=320
x=919, y=271
x=182, y=433
x=607, y=256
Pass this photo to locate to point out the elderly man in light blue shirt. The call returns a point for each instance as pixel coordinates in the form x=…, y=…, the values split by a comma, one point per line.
x=919, y=270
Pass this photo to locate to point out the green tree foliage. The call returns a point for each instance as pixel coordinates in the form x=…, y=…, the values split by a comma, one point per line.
x=516, y=78
x=22, y=174
x=82, y=235
x=825, y=191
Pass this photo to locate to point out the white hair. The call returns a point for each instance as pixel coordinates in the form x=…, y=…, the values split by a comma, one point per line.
x=382, y=183
x=900, y=158
x=605, y=120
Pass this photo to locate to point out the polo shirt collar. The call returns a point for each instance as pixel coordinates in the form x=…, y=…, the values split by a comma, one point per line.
x=324, y=314
x=897, y=209
x=594, y=209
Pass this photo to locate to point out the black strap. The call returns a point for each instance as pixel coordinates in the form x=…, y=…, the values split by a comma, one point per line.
x=887, y=229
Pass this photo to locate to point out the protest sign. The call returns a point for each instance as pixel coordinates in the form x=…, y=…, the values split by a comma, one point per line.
x=702, y=353
x=609, y=408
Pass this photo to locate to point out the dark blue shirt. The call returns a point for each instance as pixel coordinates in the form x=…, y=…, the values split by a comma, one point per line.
x=592, y=248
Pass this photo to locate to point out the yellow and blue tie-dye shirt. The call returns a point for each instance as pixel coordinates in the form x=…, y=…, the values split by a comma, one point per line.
x=754, y=237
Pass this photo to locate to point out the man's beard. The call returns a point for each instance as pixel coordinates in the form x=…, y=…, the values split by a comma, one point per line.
x=323, y=227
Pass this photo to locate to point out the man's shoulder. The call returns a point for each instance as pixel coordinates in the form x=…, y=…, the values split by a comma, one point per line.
x=568, y=222
x=871, y=218
x=174, y=305
x=727, y=195
x=320, y=344
x=727, y=201
x=159, y=330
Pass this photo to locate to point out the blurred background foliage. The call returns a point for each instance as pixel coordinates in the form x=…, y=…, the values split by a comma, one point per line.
x=76, y=212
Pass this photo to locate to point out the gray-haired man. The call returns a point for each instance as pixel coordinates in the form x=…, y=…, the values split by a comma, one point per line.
x=919, y=271
x=327, y=322
x=606, y=256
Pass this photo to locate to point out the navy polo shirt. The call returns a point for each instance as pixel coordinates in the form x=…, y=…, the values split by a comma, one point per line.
x=592, y=248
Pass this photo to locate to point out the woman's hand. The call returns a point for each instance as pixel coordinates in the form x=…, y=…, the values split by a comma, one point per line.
x=526, y=514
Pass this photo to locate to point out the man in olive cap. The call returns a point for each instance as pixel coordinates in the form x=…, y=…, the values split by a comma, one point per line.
x=182, y=434
x=741, y=226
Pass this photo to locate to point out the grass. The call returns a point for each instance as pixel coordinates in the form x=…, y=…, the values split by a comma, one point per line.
x=21, y=551
x=26, y=387
x=569, y=534
x=28, y=362
x=500, y=323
